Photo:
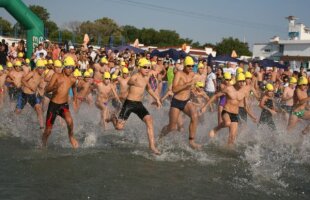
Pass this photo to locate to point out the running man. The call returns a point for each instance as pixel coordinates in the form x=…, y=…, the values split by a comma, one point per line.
x=30, y=83
x=181, y=87
x=133, y=103
x=301, y=100
x=60, y=85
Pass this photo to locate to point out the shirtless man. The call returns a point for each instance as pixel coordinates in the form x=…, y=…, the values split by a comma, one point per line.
x=230, y=110
x=60, y=85
x=100, y=69
x=29, y=95
x=26, y=67
x=260, y=79
x=301, y=100
x=181, y=87
x=3, y=75
x=15, y=76
x=123, y=84
x=133, y=103
x=83, y=87
x=288, y=98
x=106, y=91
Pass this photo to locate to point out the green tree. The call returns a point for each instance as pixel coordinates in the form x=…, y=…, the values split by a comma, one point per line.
x=227, y=45
x=41, y=12
x=130, y=33
x=5, y=26
x=44, y=15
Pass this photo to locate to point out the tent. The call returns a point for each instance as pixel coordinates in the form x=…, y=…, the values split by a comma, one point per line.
x=225, y=59
x=173, y=54
x=271, y=63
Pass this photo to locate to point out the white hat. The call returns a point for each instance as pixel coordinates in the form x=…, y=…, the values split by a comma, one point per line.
x=71, y=47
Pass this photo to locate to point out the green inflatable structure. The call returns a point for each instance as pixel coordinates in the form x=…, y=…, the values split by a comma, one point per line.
x=27, y=19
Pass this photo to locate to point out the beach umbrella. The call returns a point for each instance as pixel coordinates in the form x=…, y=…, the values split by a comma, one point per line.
x=271, y=63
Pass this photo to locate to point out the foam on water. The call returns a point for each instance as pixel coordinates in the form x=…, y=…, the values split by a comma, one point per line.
x=267, y=160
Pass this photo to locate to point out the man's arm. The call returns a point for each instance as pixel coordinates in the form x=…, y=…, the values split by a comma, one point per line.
x=52, y=84
x=176, y=87
x=25, y=80
x=152, y=93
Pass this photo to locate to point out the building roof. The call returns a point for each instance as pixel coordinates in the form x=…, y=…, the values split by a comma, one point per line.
x=294, y=42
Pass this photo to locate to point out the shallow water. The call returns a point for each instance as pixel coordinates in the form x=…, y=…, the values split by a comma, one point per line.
x=118, y=165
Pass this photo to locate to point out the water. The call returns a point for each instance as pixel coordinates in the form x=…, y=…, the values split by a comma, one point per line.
x=118, y=165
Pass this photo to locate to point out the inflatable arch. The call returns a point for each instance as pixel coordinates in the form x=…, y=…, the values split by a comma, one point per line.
x=27, y=19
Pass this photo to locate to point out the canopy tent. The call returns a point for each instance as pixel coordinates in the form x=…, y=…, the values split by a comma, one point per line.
x=271, y=63
x=225, y=59
x=173, y=54
x=124, y=47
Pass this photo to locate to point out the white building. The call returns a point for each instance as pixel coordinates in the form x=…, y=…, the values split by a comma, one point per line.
x=295, y=50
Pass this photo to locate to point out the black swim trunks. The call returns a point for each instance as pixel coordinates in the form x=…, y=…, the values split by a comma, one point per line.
x=233, y=117
x=55, y=109
x=132, y=106
x=175, y=103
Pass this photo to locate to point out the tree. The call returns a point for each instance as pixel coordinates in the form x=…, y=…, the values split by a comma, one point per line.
x=5, y=26
x=41, y=12
x=227, y=45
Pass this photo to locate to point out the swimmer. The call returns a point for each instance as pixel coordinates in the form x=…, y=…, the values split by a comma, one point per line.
x=30, y=83
x=181, y=87
x=60, y=85
x=301, y=99
x=133, y=103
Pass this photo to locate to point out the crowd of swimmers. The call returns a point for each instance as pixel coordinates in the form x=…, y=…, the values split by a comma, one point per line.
x=121, y=83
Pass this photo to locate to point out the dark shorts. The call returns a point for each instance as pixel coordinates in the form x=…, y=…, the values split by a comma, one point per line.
x=287, y=109
x=24, y=98
x=233, y=117
x=243, y=114
x=210, y=94
x=133, y=106
x=175, y=103
x=14, y=92
x=55, y=109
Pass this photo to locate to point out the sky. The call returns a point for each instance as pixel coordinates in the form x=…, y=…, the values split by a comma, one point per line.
x=252, y=21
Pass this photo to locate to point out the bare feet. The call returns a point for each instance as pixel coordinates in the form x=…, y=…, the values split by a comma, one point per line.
x=155, y=150
x=74, y=142
x=194, y=145
x=212, y=133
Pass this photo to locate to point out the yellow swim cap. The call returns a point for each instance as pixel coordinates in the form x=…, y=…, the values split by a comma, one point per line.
x=40, y=63
x=50, y=62
x=20, y=55
x=199, y=84
x=293, y=80
x=9, y=64
x=27, y=60
x=200, y=65
x=46, y=71
x=114, y=76
x=123, y=63
x=239, y=70
x=18, y=63
x=45, y=62
x=104, y=60
x=69, y=62
x=106, y=75
x=77, y=73
x=90, y=70
x=227, y=76
x=57, y=63
x=153, y=63
x=302, y=81
x=125, y=70
x=188, y=61
x=269, y=87
x=144, y=62
x=1, y=68
x=86, y=74
x=248, y=75
x=240, y=77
